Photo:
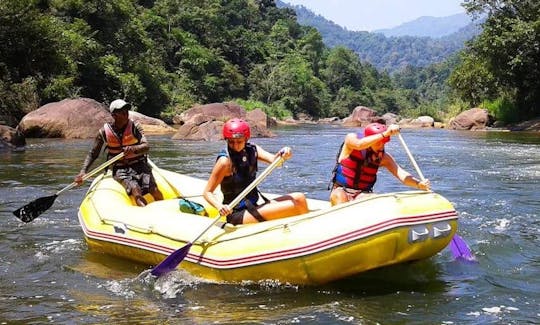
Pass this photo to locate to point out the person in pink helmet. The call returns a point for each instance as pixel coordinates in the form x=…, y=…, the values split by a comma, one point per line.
x=358, y=162
x=236, y=168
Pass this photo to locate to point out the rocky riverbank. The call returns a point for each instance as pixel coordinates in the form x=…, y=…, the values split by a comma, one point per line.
x=82, y=117
x=531, y=125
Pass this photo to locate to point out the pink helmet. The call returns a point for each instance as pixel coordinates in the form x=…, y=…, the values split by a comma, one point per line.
x=236, y=128
x=375, y=128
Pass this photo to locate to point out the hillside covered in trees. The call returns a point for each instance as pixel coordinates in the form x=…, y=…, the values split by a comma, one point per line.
x=493, y=62
x=387, y=53
x=428, y=26
x=167, y=55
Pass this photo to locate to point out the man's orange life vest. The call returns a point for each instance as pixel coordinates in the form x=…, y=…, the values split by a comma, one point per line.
x=115, y=144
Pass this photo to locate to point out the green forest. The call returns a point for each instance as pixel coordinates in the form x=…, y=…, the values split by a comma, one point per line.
x=165, y=56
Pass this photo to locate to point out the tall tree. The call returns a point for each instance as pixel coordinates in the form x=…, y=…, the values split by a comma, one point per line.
x=32, y=56
x=343, y=69
x=505, y=58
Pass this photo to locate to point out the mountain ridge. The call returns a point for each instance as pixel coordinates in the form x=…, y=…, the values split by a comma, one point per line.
x=428, y=26
x=393, y=53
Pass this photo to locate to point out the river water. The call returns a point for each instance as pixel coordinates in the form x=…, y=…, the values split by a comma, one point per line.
x=47, y=274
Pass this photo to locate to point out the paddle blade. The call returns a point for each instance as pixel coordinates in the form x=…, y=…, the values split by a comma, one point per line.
x=33, y=209
x=171, y=262
x=460, y=249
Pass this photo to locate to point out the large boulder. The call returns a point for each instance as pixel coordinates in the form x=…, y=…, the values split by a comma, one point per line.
x=207, y=131
x=361, y=116
x=151, y=125
x=70, y=118
x=258, y=119
x=472, y=119
x=210, y=112
x=205, y=122
x=11, y=139
x=79, y=119
x=390, y=118
x=419, y=122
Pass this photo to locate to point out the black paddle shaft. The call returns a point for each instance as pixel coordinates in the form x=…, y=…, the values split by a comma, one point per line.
x=33, y=209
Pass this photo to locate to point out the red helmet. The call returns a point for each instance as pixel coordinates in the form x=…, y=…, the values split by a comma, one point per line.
x=236, y=128
x=376, y=128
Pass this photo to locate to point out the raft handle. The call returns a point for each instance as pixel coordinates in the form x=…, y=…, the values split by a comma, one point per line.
x=441, y=229
x=418, y=234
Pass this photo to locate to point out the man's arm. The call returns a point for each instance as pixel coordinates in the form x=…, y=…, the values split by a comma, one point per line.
x=90, y=157
x=352, y=142
x=93, y=154
x=404, y=176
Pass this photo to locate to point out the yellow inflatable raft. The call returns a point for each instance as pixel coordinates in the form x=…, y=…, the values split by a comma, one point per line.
x=324, y=245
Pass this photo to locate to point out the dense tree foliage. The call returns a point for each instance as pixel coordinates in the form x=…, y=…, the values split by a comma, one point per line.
x=503, y=64
x=498, y=69
x=166, y=55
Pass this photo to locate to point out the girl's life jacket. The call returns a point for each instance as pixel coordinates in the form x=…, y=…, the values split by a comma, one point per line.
x=244, y=172
x=359, y=170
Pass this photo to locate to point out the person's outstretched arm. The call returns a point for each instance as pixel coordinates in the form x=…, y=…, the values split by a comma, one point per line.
x=404, y=176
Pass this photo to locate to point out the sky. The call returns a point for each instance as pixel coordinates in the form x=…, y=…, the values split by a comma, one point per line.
x=368, y=15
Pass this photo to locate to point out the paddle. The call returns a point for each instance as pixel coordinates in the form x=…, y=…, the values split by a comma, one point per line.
x=171, y=262
x=156, y=169
x=33, y=209
x=458, y=246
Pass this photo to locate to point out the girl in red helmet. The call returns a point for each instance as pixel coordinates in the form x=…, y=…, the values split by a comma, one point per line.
x=359, y=160
x=236, y=168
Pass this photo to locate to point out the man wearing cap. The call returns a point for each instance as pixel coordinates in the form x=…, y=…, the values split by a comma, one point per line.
x=124, y=135
x=359, y=159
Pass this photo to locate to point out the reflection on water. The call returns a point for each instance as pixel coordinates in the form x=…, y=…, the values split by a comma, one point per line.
x=47, y=273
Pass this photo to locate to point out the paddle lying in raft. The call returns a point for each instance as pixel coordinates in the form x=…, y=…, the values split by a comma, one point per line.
x=156, y=169
x=458, y=246
x=33, y=209
x=173, y=260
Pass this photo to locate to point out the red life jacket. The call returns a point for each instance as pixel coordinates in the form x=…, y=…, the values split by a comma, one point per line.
x=115, y=144
x=359, y=170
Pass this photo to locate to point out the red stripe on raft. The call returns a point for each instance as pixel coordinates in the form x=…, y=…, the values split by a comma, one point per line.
x=279, y=255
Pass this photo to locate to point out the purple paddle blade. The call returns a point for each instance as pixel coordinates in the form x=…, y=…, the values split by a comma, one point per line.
x=460, y=249
x=171, y=262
